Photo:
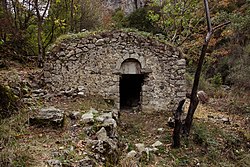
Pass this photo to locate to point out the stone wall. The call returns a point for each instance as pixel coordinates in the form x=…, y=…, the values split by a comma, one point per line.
x=93, y=63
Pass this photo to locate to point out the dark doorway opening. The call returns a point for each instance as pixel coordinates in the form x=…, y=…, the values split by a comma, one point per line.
x=131, y=90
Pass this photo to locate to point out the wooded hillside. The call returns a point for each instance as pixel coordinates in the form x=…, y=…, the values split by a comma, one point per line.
x=29, y=27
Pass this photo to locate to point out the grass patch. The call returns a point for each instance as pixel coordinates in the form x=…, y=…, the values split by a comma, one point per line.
x=11, y=130
x=72, y=36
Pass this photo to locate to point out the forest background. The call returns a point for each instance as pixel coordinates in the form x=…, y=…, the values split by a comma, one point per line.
x=29, y=27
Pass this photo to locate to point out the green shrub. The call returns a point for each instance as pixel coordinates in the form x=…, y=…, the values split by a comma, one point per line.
x=216, y=81
x=119, y=19
x=240, y=71
x=200, y=134
x=139, y=20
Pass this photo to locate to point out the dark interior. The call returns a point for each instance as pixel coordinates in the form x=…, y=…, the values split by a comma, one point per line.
x=130, y=90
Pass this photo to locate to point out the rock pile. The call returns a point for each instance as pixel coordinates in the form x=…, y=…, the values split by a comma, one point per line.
x=48, y=117
x=100, y=146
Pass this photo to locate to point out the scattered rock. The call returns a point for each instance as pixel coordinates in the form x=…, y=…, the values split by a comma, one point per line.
x=219, y=119
x=38, y=91
x=160, y=129
x=131, y=154
x=140, y=147
x=225, y=120
x=48, y=117
x=225, y=87
x=102, y=134
x=75, y=115
x=93, y=111
x=171, y=122
x=115, y=114
x=54, y=163
x=110, y=122
x=69, y=92
x=111, y=127
x=81, y=94
x=203, y=97
x=88, y=130
x=157, y=144
x=86, y=162
x=80, y=88
x=88, y=118
x=104, y=116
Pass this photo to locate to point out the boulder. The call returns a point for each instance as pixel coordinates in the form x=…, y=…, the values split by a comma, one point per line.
x=87, y=118
x=102, y=134
x=203, y=97
x=104, y=116
x=48, y=117
x=75, y=115
x=111, y=127
x=157, y=144
x=140, y=147
x=131, y=154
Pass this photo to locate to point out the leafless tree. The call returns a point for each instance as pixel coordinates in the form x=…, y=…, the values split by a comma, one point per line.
x=41, y=8
x=194, y=99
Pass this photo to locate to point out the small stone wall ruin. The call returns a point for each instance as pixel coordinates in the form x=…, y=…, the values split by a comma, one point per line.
x=99, y=62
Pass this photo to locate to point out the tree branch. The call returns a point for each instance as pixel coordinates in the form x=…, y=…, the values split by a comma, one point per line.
x=194, y=101
x=221, y=25
x=209, y=25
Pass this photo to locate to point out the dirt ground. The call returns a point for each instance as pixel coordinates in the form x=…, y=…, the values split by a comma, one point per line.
x=220, y=135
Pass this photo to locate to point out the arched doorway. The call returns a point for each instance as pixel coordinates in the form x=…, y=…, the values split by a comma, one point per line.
x=131, y=81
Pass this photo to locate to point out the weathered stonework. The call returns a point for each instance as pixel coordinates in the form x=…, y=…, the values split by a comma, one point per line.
x=95, y=64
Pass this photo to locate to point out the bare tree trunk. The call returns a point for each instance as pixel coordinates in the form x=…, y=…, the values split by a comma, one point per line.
x=194, y=100
x=177, y=125
x=4, y=6
x=40, y=44
x=72, y=16
x=136, y=4
x=39, y=34
x=40, y=18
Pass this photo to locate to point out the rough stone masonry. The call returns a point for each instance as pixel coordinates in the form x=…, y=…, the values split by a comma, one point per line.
x=102, y=63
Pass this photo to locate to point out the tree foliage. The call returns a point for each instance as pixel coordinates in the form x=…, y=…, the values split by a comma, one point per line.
x=29, y=32
x=177, y=19
x=32, y=25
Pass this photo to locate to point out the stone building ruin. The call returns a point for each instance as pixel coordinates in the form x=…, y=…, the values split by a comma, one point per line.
x=130, y=69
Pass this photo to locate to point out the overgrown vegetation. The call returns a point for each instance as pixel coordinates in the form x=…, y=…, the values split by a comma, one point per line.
x=225, y=77
x=180, y=22
x=12, y=152
x=228, y=52
x=8, y=102
x=210, y=143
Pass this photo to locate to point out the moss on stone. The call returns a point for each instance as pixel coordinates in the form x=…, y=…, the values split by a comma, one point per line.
x=86, y=34
x=8, y=102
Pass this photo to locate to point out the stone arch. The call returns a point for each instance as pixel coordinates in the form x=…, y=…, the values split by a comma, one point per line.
x=135, y=56
x=130, y=66
x=131, y=81
x=140, y=59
